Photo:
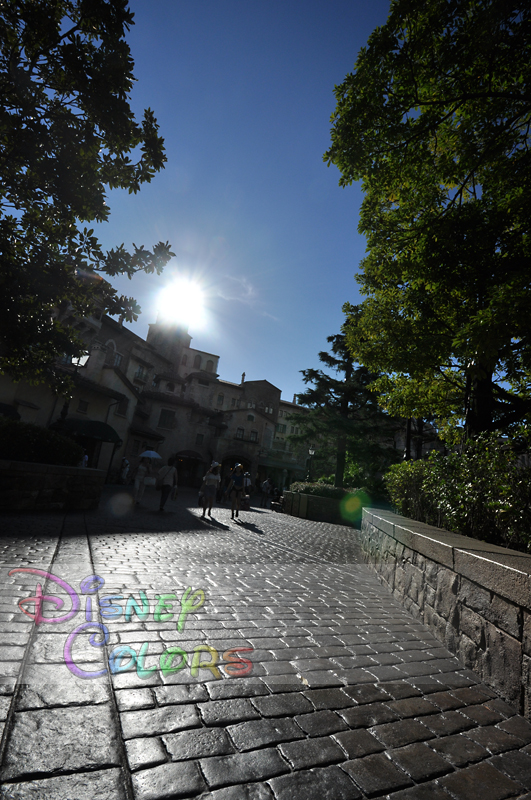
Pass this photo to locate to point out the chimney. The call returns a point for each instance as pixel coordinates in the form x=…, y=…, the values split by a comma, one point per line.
x=243, y=379
x=295, y=398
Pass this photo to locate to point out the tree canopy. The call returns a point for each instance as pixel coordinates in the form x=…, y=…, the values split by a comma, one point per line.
x=344, y=421
x=435, y=122
x=68, y=136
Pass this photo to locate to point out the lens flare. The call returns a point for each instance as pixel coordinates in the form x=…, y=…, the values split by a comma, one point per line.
x=182, y=302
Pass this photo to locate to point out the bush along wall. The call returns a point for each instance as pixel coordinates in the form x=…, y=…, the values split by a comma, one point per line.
x=20, y=441
x=325, y=503
x=483, y=492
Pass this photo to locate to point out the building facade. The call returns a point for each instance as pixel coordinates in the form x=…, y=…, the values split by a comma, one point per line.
x=161, y=394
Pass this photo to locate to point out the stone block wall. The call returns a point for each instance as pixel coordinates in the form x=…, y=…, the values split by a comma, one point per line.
x=309, y=506
x=475, y=597
x=46, y=487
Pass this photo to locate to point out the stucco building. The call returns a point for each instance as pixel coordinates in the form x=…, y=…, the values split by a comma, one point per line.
x=161, y=394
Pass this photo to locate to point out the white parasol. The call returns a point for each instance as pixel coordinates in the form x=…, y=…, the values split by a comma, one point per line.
x=149, y=454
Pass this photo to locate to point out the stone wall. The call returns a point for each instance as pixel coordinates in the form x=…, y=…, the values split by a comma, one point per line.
x=309, y=506
x=475, y=597
x=45, y=487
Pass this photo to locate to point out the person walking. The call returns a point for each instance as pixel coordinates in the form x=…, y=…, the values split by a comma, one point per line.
x=211, y=482
x=167, y=480
x=266, y=488
x=142, y=472
x=236, y=489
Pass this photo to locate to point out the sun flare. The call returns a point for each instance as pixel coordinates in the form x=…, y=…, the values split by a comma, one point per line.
x=183, y=302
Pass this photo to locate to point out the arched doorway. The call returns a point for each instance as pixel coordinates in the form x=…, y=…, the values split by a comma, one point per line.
x=191, y=468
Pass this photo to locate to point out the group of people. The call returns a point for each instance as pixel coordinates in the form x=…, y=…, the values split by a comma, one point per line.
x=237, y=485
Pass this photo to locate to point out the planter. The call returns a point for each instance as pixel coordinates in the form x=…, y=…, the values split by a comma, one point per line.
x=323, y=509
x=46, y=487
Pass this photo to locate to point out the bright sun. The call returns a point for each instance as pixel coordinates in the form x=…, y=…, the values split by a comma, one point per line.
x=182, y=302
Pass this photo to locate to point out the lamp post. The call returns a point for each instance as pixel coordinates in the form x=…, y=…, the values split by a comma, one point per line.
x=311, y=453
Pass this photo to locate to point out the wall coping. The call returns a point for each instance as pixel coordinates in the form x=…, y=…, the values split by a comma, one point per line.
x=498, y=569
x=30, y=466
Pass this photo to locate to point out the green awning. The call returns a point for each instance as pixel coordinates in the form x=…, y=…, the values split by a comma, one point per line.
x=87, y=428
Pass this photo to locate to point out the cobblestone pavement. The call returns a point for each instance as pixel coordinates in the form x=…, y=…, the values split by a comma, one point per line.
x=348, y=696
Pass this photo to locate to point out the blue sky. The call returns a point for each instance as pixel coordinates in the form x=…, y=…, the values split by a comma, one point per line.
x=243, y=93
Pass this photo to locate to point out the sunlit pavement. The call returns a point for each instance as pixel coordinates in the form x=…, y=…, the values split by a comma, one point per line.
x=255, y=658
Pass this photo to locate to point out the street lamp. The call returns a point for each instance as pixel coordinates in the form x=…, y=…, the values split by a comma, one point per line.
x=311, y=453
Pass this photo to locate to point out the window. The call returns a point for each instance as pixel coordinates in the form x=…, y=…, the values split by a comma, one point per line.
x=280, y=413
x=185, y=359
x=121, y=408
x=199, y=438
x=197, y=362
x=156, y=382
x=141, y=374
x=202, y=382
x=250, y=417
x=254, y=436
x=292, y=430
x=239, y=433
x=82, y=406
x=170, y=387
x=233, y=402
x=221, y=398
x=280, y=428
x=167, y=419
x=210, y=366
x=117, y=360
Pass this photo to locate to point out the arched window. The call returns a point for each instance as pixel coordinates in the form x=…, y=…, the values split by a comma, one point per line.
x=250, y=417
x=170, y=387
x=210, y=366
x=197, y=362
x=254, y=436
x=239, y=433
x=221, y=398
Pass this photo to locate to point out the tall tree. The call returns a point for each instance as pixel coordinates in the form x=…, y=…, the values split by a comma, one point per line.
x=435, y=121
x=68, y=135
x=343, y=410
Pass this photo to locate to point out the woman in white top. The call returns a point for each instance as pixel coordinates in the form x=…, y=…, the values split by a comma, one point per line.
x=209, y=488
x=143, y=470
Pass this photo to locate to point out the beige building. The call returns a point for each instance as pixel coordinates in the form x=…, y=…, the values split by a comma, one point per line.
x=161, y=394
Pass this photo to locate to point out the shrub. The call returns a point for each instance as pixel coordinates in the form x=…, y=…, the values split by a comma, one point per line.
x=20, y=441
x=322, y=490
x=483, y=492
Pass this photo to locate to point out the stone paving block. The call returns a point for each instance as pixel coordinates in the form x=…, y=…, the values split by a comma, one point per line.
x=49, y=685
x=328, y=698
x=5, y=703
x=397, y=734
x=284, y=683
x=320, y=723
x=446, y=701
x=258, y=733
x=223, y=712
x=426, y=791
x=482, y=715
x=42, y=742
x=376, y=775
x=321, y=679
x=355, y=676
x=282, y=705
x=257, y=765
x=494, y=739
x=143, y=753
x=358, y=743
x=180, y=693
x=400, y=690
x=518, y=726
x=244, y=791
x=503, y=708
x=448, y=723
x=516, y=764
x=482, y=781
x=459, y=750
x=153, y=721
x=237, y=687
x=134, y=699
x=197, y=743
x=367, y=693
x=329, y=783
x=105, y=785
x=168, y=781
x=472, y=695
x=368, y=715
x=420, y=762
x=412, y=707
x=312, y=752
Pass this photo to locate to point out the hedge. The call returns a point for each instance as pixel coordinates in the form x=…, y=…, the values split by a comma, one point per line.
x=20, y=441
